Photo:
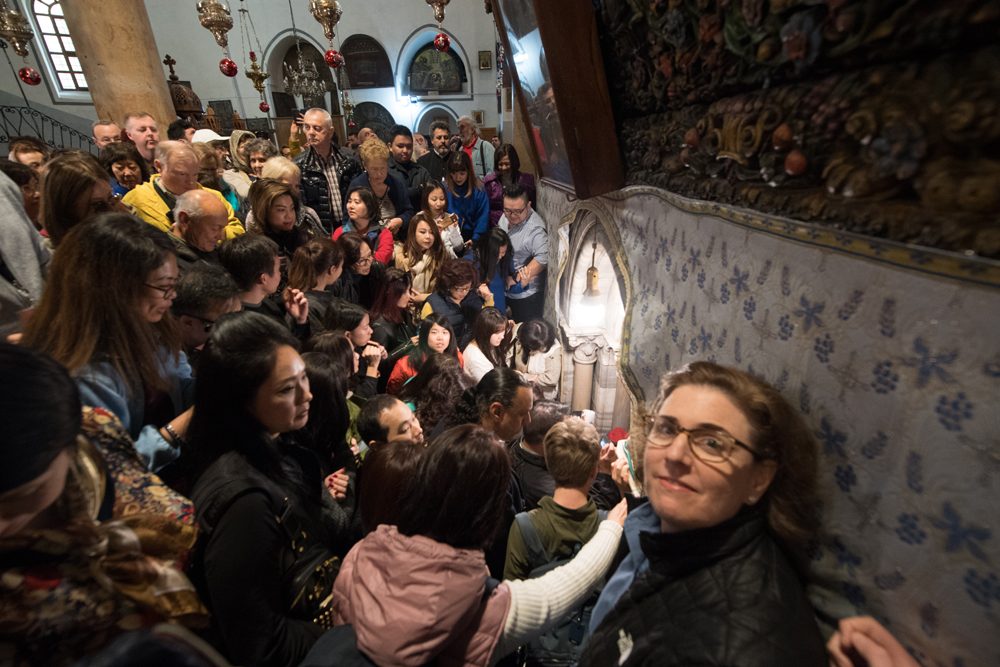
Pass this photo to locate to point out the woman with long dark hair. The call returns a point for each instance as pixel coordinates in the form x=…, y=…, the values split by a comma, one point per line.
x=466, y=198
x=422, y=255
x=492, y=335
x=392, y=321
x=436, y=335
x=316, y=265
x=265, y=554
x=495, y=262
x=506, y=172
x=105, y=316
x=362, y=217
x=356, y=322
x=538, y=356
x=436, y=390
x=415, y=588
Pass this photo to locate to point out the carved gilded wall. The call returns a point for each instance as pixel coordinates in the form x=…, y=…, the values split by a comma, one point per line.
x=875, y=117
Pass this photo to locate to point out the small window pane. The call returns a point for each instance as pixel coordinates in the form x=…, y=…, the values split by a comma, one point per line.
x=68, y=44
x=81, y=81
x=59, y=62
x=53, y=44
x=45, y=24
x=41, y=7
x=66, y=81
x=62, y=27
x=57, y=10
x=74, y=64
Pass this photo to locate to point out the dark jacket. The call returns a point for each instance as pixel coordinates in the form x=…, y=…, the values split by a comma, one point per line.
x=459, y=316
x=322, y=305
x=316, y=189
x=725, y=595
x=435, y=165
x=188, y=255
x=392, y=336
x=536, y=482
x=413, y=177
x=247, y=560
x=358, y=289
x=396, y=193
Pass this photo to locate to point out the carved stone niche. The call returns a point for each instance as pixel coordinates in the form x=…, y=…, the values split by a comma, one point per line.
x=591, y=309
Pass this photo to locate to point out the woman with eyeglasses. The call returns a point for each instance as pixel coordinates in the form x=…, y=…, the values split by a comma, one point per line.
x=453, y=297
x=716, y=552
x=105, y=316
x=363, y=276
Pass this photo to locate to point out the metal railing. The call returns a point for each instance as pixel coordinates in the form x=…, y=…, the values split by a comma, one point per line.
x=25, y=121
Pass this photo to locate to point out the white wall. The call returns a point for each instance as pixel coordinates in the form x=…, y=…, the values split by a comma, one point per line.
x=390, y=22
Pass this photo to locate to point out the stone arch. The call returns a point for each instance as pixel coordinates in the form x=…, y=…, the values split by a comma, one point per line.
x=433, y=112
x=375, y=116
x=594, y=325
x=282, y=49
x=367, y=63
x=418, y=40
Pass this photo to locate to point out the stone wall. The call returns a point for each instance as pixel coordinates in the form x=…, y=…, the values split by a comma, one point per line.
x=892, y=357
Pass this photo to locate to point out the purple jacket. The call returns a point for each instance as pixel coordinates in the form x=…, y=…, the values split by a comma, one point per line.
x=494, y=192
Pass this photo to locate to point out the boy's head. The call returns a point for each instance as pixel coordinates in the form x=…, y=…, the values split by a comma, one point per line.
x=204, y=293
x=544, y=415
x=572, y=448
x=252, y=260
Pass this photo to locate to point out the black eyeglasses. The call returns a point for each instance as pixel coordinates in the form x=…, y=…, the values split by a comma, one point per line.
x=707, y=444
x=206, y=323
x=167, y=292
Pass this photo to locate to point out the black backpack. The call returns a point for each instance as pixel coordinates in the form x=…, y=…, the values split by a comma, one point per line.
x=562, y=645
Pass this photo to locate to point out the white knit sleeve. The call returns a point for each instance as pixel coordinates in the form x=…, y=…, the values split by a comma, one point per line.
x=539, y=604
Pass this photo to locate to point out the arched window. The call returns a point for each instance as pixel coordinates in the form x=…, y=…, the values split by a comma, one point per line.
x=367, y=63
x=58, y=46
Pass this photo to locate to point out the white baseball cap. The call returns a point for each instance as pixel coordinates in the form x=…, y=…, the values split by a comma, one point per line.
x=207, y=136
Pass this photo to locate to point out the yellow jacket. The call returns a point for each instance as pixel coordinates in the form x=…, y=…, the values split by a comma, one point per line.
x=149, y=206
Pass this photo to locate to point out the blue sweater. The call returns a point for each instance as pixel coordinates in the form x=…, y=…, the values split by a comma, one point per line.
x=397, y=193
x=473, y=212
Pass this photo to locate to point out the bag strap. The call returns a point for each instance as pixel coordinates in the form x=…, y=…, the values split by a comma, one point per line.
x=532, y=541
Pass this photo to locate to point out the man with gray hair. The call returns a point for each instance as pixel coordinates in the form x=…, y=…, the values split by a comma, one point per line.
x=479, y=151
x=200, y=221
x=326, y=168
x=153, y=200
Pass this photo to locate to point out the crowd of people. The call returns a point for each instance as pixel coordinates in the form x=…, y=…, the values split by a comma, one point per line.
x=303, y=406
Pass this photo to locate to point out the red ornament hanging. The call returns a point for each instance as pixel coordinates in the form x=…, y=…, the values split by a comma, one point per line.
x=228, y=67
x=352, y=125
x=264, y=106
x=442, y=42
x=30, y=76
x=334, y=58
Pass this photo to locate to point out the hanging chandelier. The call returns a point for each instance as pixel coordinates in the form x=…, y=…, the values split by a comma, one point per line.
x=215, y=17
x=15, y=30
x=254, y=72
x=441, y=40
x=303, y=79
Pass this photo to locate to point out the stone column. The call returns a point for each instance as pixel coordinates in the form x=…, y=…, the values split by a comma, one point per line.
x=585, y=349
x=114, y=41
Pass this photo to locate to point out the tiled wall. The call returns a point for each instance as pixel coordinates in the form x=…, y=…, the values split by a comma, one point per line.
x=896, y=368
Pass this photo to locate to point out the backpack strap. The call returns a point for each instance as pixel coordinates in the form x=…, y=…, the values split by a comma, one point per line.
x=532, y=541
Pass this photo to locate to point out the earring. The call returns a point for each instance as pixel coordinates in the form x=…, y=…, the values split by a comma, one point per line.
x=751, y=500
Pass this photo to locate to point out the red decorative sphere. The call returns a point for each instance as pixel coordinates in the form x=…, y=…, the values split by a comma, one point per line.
x=228, y=67
x=30, y=76
x=334, y=59
x=796, y=163
x=442, y=42
x=264, y=106
x=351, y=124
